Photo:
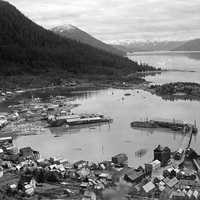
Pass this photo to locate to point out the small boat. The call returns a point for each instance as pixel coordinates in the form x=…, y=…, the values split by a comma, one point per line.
x=127, y=94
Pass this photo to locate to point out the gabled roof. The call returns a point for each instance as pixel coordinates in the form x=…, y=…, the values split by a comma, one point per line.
x=148, y=187
x=133, y=174
x=172, y=182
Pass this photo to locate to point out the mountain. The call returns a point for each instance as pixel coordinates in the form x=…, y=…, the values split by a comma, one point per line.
x=27, y=48
x=149, y=46
x=191, y=45
x=74, y=33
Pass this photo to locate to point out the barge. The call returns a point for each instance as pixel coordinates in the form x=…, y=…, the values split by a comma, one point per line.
x=72, y=120
x=88, y=120
x=173, y=125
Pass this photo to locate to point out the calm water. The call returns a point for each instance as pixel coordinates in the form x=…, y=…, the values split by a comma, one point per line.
x=101, y=142
x=189, y=62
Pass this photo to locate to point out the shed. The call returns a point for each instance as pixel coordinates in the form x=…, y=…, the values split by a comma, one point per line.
x=120, y=159
x=134, y=176
x=149, y=167
x=156, y=164
x=177, y=195
x=149, y=187
x=172, y=182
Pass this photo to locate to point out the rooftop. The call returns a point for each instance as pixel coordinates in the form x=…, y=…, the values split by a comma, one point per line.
x=148, y=187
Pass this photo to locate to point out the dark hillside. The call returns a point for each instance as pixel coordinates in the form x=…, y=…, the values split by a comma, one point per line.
x=26, y=47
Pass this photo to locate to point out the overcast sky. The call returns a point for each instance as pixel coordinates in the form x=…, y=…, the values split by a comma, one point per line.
x=119, y=20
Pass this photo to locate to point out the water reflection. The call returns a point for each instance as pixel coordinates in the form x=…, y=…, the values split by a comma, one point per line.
x=140, y=153
x=186, y=64
x=194, y=55
x=44, y=95
x=60, y=131
x=174, y=54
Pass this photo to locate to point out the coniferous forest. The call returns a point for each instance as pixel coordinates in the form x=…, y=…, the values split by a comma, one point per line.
x=27, y=48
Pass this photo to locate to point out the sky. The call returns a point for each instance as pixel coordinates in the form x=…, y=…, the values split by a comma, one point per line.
x=116, y=21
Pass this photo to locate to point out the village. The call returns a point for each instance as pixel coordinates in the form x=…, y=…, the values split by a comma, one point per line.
x=171, y=175
x=24, y=174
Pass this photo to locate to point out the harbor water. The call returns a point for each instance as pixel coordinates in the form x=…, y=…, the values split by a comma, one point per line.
x=96, y=143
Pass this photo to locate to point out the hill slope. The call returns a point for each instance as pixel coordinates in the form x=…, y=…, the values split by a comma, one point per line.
x=27, y=48
x=74, y=33
x=191, y=45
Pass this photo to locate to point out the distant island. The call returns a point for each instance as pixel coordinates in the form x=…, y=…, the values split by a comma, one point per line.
x=178, y=90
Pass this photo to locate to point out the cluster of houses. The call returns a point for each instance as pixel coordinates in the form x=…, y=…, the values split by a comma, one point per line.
x=87, y=181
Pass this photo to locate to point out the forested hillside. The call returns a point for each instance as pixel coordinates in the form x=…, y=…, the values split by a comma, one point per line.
x=26, y=47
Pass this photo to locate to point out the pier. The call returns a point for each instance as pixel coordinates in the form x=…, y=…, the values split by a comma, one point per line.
x=173, y=125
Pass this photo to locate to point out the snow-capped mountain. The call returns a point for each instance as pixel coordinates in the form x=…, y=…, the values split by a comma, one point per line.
x=74, y=33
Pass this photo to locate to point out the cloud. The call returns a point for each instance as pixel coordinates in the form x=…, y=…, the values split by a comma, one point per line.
x=111, y=20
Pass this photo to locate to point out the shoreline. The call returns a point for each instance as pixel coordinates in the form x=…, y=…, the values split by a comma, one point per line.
x=84, y=86
x=132, y=81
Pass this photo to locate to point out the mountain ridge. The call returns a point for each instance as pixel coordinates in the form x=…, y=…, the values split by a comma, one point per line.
x=75, y=33
x=190, y=45
x=149, y=46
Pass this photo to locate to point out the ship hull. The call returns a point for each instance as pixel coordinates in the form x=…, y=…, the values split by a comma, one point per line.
x=61, y=122
x=89, y=122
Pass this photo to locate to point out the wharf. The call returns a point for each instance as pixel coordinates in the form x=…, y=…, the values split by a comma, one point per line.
x=173, y=125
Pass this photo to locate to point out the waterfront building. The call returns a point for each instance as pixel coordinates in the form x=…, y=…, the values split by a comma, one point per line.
x=150, y=167
x=134, y=176
x=163, y=154
x=120, y=159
